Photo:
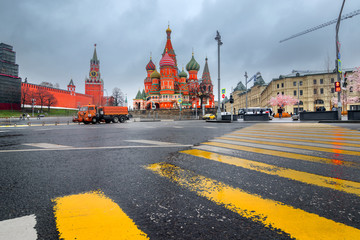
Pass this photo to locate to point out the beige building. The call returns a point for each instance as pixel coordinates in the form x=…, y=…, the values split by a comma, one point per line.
x=313, y=89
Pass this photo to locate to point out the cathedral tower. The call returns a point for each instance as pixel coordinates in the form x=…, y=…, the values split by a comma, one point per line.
x=94, y=85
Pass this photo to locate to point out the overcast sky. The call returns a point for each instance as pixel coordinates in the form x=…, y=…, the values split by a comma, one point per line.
x=54, y=40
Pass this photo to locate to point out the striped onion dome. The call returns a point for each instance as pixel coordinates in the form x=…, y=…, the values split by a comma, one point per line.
x=166, y=60
x=192, y=65
x=155, y=74
x=183, y=73
x=150, y=65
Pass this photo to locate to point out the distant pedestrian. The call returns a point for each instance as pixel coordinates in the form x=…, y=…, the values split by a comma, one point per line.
x=23, y=116
x=28, y=117
x=280, y=111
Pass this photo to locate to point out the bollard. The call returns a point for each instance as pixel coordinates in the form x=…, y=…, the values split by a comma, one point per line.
x=29, y=123
x=43, y=123
x=56, y=123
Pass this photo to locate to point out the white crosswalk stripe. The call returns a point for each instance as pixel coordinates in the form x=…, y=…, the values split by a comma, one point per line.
x=22, y=228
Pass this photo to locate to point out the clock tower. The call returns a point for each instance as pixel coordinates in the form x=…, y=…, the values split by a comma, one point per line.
x=94, y=85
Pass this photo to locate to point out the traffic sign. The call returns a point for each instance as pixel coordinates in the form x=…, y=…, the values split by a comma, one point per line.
x=223, y=91
x=223, y=96
x=180, y=100
x=339, y=65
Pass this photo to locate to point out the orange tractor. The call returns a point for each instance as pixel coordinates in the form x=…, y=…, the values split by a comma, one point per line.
x=92, y=114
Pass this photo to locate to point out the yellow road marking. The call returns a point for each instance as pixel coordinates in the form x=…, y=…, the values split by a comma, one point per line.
x=322, y=132
x=303, y=134
x=284, y=154
x=321, y=149
x=273, y=214
x=309, y=178
x=93, y=216
x=336, y=143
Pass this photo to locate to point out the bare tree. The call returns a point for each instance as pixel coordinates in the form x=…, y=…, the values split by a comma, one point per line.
x=118, y=97
x=25, y=96
x=46, y=84
x=50, y=100
x=41, y=96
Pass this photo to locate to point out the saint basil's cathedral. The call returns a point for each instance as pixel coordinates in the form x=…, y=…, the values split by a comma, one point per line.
x=169, y=88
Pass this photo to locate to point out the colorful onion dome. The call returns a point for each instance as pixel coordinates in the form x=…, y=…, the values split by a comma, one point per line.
x=183, y=74
x=155, y=74
x=150, y=65
x=166, y=60
x=192, y=65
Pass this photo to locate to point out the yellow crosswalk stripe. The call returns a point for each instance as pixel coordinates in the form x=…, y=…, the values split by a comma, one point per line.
x=296, y=222
x=309, y=178
x=334, y=143
x=284, y=154
x=321, y=149
x=93, y=216
x=322, y=132
x=305, y=134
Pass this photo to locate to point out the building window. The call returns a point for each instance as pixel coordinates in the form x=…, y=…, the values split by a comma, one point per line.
x=332, y=80
x=301, y=103
x=351, y=89
x=294, y=92
x=321, y=91
x=332, y=90
x=278, y=86
x=321, y=81
x=301, y=92
x=282, y=84
x=282, y=93
x=314, y=81
x=278, y=93
x=294, y=83
x=315, y=91
x=300, y=83
x=318, y=101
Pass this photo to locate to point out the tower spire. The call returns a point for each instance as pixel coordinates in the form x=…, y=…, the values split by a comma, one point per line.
x=94, y=58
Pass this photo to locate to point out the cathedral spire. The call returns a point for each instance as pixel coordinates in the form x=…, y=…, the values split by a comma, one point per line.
x=168, y=46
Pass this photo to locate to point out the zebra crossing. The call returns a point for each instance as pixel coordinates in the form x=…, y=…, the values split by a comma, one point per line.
x=311, y=159
x=319, y=144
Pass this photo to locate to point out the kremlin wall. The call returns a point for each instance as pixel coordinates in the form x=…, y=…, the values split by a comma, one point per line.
x=15, y=93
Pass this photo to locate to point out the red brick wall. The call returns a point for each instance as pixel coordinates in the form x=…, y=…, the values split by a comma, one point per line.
x=63, y=97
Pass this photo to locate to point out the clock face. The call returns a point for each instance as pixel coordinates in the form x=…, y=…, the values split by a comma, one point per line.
x=93, y=73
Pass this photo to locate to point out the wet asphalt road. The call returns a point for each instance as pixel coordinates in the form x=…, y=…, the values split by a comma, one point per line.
x=42, y=163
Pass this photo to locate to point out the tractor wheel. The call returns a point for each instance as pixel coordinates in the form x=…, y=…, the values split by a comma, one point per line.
x=93, y=121
x=122, y=119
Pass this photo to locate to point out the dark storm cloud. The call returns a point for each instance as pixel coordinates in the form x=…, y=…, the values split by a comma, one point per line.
x=54, y=39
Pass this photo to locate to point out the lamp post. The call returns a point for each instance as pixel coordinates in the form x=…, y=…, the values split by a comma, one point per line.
x=337, y=61
x=218, y=39
x=246, y=102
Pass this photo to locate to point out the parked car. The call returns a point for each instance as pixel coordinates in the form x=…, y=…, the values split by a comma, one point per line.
x=208, y=116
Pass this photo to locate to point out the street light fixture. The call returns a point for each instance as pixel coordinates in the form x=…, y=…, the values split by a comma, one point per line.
x=218, y=39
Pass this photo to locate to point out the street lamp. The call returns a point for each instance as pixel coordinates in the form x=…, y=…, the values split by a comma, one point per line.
x=246, y=102
x=218, y=39
x=337, y=61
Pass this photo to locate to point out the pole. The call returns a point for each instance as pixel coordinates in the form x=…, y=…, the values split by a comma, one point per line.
x=298, y=111
x=180, y=103
x=218, y=39
x=337, y=59
x=246, y=103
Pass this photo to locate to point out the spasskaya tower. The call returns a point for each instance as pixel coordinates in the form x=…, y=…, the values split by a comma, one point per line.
x=94, y=85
